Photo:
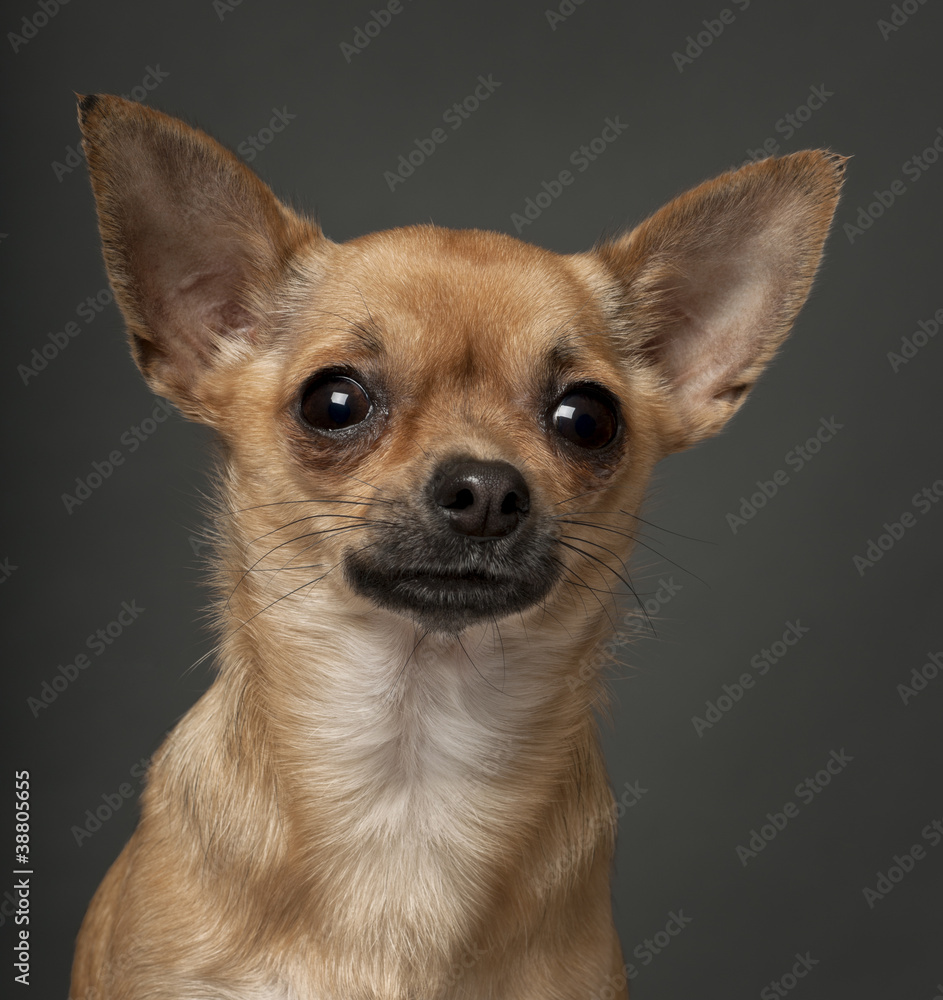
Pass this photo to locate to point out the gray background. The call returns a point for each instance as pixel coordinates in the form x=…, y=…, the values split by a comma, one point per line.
x=836, y=690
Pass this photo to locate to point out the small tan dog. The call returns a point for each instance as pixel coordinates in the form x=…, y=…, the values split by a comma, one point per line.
x=435, y=444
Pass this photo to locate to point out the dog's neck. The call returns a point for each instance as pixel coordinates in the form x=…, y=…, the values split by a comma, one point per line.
x=419, y=785
x=397, y=721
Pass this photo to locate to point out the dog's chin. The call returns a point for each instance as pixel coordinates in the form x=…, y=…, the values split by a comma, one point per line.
x=445, y=600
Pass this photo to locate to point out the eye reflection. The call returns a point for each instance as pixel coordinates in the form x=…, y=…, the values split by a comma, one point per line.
x=335, y=402
x=586, y=418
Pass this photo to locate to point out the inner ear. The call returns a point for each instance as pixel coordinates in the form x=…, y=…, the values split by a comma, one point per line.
x=733, y=395
x=194, y=242
x=710, y=285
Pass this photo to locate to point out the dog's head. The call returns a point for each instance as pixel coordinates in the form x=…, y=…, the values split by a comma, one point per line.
x=451, y=425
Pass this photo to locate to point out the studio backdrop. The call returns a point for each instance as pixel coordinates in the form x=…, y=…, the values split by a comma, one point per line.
x=775, y=734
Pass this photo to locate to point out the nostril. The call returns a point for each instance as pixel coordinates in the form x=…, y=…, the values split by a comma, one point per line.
x=512, y=504
x=483, y=500
x=463, y=498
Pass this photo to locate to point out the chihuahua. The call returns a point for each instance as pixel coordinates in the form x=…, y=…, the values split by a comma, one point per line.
x=434, y=448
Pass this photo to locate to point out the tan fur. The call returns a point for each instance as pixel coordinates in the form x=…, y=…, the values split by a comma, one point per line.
x=360, y=808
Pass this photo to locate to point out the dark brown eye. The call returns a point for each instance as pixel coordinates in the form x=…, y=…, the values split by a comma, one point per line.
x=334, y=402
x=586, y=418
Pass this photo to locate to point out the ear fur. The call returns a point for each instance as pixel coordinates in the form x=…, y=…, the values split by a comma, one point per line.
x=709, y=286
x=192, y=239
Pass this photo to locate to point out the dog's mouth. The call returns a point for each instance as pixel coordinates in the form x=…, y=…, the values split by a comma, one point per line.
x=470, y=548
x=450, y=596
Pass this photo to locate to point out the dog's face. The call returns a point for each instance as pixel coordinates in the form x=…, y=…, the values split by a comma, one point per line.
x=463, y=391
x=460, y=426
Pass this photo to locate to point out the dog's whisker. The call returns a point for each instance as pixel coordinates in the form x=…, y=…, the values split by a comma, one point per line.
x=202, y=659
x=311, y=517
x=599, y=527
x=668, y=559
x=402, y=669
x=577, y=496
x=369, y=485
x=475, y=665
x=336, y=529
x=340, y=499
x=594, y=558
x=286, y=568
x=615, y=573
x=638, y=539
x=363, y=299
x=316, y=536
x=352, y=322
x=290, y=541
x=668, y=531
x=581, y=583
x=635, y=517
x=284, y=597
x=496, y=635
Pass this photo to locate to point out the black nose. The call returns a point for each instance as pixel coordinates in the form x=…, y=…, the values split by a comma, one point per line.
x=481, y=499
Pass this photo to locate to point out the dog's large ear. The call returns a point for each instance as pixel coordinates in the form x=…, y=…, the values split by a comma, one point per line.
x=709, y=286
x=193, y=241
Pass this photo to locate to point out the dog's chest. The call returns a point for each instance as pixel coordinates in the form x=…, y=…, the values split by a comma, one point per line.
x=396, y=718
x=415, y=767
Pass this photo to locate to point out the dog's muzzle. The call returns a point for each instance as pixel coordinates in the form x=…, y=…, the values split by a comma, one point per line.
x=468, y=549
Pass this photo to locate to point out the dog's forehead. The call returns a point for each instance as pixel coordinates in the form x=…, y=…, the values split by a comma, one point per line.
x=458, y=300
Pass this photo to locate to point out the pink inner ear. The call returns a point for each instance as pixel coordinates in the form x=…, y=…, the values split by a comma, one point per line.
x=236, y=320
x=212, y=296
x=712, y=344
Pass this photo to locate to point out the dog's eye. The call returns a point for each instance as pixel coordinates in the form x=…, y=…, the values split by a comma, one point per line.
x=334, y=402
x=586, y=418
